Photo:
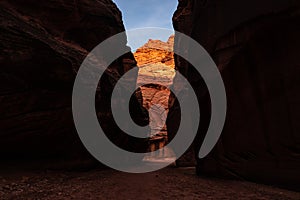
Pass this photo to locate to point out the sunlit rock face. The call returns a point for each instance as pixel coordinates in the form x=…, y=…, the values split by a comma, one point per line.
x=43, y=44
x=256, y=47
x=156, y=72
x=156, y=51
x=156, y=67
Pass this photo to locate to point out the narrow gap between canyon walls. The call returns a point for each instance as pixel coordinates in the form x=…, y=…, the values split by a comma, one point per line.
x=155, y=60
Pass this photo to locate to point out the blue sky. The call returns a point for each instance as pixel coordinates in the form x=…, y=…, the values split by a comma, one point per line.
x=147, y=13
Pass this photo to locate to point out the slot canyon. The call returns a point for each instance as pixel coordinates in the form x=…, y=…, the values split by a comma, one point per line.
x=255, y=45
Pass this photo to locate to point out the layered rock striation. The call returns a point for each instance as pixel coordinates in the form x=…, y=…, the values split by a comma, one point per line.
x=156, y=51
x=156, y=72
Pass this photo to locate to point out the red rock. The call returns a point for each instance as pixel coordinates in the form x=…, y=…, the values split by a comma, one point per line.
x=156, y=51
x=156, y=70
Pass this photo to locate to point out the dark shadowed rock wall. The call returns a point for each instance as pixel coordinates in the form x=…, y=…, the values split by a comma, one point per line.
x=256, y=46
x=42, y=44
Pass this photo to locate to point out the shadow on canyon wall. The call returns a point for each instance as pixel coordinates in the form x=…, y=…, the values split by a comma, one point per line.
x=255, y=45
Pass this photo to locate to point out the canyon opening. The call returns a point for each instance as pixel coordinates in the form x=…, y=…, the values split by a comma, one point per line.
x=153, y=52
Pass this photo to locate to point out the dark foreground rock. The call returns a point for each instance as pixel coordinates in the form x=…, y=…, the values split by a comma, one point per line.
x=42, y=44
x=256, y=47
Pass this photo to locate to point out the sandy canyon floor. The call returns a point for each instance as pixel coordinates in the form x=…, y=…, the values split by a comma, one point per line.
x=169, y=183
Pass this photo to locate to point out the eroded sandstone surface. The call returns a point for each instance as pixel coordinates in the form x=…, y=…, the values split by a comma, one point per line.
x=156, y=51
x=156, y=72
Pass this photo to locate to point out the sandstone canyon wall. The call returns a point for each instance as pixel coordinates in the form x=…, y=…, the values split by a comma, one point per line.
x=156, y=72
x=256, y=46
x=156, y=68
x=156, y=51
x=43, y=44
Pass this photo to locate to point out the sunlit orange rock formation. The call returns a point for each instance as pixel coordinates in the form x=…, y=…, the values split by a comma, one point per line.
x=156, y=51
x=156, y=68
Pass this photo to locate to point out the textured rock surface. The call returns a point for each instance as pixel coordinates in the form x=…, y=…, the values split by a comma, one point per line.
x=256, y=47
x=156, y=51
x=42, y=44
x=156, y=68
